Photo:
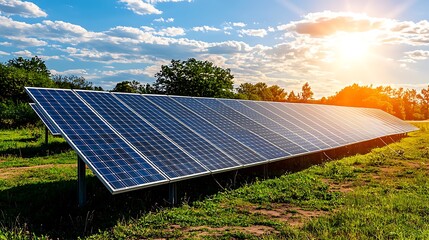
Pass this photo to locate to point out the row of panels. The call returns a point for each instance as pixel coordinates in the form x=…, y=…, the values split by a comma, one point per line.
x=132, y=141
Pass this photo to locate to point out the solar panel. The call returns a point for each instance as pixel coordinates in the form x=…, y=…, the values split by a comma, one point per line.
x=131, y=141
x=202, y=150
x=245, y=136
x=296, y=144
x=241, y=153
x=109, y=156
x=302, y=121
x=165, y=154
x=51, y=127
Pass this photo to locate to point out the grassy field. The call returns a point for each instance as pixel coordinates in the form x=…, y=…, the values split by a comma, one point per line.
x=380, y=195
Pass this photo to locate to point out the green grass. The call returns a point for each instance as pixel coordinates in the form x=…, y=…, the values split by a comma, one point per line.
x=383, y=194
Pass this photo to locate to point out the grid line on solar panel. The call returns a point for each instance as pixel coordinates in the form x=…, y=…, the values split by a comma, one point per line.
x=322, y=120
x=51, y=127
x=393, y=121
x=289, y=125
x=206, y=153
x=352, y=122
x=297, y=144
x=379, y=126
x=216, y=136
x=282, y=110
x=263, y=131
x=243, y=135
x=118, y=165
x=146, y=138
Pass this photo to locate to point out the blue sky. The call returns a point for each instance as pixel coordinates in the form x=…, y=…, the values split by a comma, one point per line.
x=330, y=44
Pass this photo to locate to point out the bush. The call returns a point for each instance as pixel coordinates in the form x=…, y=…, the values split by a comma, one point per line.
x=14, y=115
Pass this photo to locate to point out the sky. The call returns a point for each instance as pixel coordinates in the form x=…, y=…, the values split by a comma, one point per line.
x=329, y=44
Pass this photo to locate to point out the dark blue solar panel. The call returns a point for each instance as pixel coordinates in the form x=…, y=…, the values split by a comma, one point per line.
x=276, y=139
x=352, y=123
x=206, y=153
x=296, y=144
x=393, y=122
x=284, y=111
x=288, y=125
x=157, y=148
x=248, y=138
x=118, y=165
x=225, y=142
x=51, y=127
x=322, y=121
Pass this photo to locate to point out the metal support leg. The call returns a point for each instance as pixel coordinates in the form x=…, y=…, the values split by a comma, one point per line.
x=172, y=193
x=46, y=135
x=81, y=182
x=265, y=171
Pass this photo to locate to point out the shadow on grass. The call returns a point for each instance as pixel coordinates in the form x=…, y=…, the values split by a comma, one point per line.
x=51, y=208
x=37, y=151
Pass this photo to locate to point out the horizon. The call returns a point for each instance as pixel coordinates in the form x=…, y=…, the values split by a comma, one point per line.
x=287, y=43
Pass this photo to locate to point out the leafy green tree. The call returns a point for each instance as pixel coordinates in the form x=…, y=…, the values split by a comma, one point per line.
x=194, y=78
x=306, y=93
x=424, y=98
x=73, y=82
x=13, y=80
x=132, y=87
x=34, y=64
x=292, y=97
x=261, y=91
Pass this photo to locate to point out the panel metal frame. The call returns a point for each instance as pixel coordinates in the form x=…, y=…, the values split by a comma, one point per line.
x=87, y=162
x=45, y=120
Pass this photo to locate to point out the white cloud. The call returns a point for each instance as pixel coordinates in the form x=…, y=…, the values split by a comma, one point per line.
x=23, y=53
x=161, y=19
x=140, y=7
x=413, y=56
x=4, y=53
x=171, y=32
x=238, y=24
x=205, y=29
x=23, y=9
x=254, y=32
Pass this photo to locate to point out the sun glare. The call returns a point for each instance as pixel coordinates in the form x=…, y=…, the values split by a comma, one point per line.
x=350, y=47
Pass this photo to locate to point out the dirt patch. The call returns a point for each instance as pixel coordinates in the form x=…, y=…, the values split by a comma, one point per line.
x=205, y=231
x=7, y=173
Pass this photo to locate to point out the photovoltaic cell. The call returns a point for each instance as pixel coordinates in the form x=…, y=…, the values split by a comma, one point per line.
x=289, y=125
x=202, y=150
x=245, y=136
x=225, y=142
x=169, y=158
x=301, y=121
x=296, y=144
x=51, y=127
x=118, y=165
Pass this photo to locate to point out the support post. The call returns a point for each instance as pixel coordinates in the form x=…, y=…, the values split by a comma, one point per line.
x=46, y=135
x=81, y=182
x=265, y=171
x=172, y=194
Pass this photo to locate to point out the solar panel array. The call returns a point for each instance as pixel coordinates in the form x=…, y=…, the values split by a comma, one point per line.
x=131, y=141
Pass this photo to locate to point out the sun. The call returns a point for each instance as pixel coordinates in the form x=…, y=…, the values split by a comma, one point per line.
x=350, y=47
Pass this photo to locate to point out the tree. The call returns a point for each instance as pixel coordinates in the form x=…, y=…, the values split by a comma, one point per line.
x=261, y=91
x=194, y=78
x=14, y=77
x=292, y=97
x=306, y=93
x=34, y=64
x=424, y=98
x=132, y=87
x=278, y=93
x=73, y=82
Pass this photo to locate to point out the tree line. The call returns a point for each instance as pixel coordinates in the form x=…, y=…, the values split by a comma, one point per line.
x=196, y=78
